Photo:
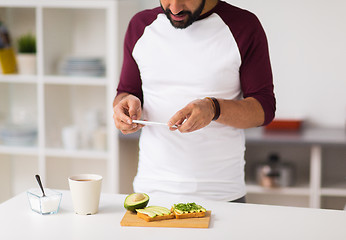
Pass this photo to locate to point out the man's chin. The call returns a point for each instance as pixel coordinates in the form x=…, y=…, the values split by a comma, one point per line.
x=180, y=24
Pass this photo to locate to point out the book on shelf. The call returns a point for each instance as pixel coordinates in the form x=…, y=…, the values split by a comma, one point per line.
x=7, y=55
x=7, y=61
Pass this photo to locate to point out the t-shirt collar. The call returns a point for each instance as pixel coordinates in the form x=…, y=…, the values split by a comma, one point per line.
x=207, y=14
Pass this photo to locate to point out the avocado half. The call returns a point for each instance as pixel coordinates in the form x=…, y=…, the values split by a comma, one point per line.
x=136, y=201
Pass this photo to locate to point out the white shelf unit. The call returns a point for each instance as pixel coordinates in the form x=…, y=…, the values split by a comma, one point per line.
x=320, y=159
x=64, y=28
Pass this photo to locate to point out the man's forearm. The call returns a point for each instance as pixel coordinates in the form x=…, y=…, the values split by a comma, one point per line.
x=243, y=114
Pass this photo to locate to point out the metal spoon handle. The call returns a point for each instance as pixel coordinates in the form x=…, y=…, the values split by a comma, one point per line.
x=40, y=184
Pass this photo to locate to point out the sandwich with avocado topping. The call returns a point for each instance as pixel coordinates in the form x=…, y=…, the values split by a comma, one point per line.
x=154, y=213
x=188, y=210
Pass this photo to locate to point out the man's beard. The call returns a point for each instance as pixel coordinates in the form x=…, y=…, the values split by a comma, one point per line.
x=191, y=17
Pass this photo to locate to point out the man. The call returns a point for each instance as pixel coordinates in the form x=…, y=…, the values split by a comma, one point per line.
x=203, y=66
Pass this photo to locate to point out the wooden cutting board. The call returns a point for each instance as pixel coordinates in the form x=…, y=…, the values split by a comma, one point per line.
x=131, y=219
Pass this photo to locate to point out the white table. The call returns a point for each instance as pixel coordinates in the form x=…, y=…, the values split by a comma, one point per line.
x=228, y=221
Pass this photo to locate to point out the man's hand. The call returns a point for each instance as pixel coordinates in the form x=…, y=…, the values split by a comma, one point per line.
x=193, y=116
x=242, y=114
x=126, y=108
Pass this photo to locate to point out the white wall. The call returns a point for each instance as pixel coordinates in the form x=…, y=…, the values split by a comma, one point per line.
x=307, y=41
x=147, y=4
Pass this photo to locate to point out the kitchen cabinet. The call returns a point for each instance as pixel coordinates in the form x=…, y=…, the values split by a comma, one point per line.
x=319, y=156
x=54, y=99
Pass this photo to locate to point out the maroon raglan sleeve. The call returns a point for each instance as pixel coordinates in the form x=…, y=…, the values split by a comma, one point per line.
x=255, y=70
x=130, y=79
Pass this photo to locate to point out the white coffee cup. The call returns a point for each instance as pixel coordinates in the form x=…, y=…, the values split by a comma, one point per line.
x=85, y=191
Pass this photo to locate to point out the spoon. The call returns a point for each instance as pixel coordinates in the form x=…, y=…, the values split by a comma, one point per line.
x=40, y=183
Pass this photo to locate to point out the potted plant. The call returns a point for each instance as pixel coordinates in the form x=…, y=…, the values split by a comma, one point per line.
x=26, y=57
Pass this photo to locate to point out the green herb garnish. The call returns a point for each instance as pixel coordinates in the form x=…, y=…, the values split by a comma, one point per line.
x=188, y=207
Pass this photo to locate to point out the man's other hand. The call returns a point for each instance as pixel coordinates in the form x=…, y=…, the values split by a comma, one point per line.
x=126, y=109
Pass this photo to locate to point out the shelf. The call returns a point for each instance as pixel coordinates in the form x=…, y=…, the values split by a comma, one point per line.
x=16, y=78
x=67, y=80
x=86, y=154
x=335, y=189
x=34, y=151
x=299, y=191
x=337, y=192
x=307, y=136
x=78, y=41
x=54, y=80
x=18, y=150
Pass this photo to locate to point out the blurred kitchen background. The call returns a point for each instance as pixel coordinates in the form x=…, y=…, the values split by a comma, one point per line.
x=59, y=70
